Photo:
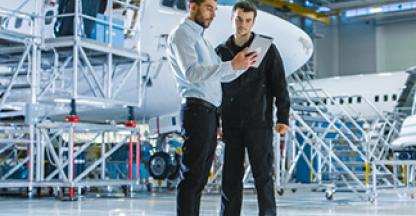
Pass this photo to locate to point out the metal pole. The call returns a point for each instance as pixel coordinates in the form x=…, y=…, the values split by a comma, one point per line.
x=42, y=154
x=61, y=154
x=319, y=158
x=131, y=157
x=39, y=159
x=75, y=51
x=74, y=96
x=110, y=19
x=110, y=56
x=140, y=80
x=277, y=162
x=374, y=180
x=31, y=159
x=33, y=99
x=102, y=155
x=71, y=160
x=367, y=173
x=414, y=104
x=109, y=75
x=138, y=155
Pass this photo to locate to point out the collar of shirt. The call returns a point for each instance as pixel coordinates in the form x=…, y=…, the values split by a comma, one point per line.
x=193, y=25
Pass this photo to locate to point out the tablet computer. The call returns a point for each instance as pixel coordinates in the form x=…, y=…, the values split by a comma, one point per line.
x=260, y=44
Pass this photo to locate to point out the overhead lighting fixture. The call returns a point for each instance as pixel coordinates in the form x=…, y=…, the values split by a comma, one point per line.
x=323, y=9
x=375, y=10
x=381, y=9
x=308, y=3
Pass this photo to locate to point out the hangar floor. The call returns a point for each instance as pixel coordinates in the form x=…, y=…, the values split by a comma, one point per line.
x=160, y=204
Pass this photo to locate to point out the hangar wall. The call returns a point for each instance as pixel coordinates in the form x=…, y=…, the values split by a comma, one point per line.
x=364, y=47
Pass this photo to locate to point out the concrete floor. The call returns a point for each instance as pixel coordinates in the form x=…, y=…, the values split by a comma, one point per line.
x=160, y=204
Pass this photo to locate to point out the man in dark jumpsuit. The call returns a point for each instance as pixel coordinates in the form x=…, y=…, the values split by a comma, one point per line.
x=247, y=119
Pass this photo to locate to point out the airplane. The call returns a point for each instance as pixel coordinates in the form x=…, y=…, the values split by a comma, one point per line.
x=370, y=96
x=156, y=19
x=161, y=101
x=362, y=96
x=18, y=23
x=405, y=144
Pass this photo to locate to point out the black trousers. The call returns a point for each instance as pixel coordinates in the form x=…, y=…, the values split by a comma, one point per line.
x=259, y=143
x=199, y=129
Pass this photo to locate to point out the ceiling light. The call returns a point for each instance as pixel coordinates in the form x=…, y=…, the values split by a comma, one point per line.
x=376, y=10
x=323, y=9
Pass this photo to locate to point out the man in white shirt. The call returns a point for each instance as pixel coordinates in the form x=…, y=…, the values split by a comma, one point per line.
x=199, y=73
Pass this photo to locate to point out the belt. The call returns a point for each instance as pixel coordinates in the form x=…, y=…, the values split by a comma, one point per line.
x=197, y=101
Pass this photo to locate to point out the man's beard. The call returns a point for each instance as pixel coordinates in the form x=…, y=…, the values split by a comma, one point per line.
x=199, y=19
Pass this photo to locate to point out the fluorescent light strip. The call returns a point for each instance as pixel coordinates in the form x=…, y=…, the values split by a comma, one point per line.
x=381, y=9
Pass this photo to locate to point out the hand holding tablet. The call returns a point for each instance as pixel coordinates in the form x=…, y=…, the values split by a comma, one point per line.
x=243, y=60
x=260, y=45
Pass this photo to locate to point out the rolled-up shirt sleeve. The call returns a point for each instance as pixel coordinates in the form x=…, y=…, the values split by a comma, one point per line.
x=230, y=77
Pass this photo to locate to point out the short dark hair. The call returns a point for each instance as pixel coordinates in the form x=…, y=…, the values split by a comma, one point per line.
x=198, y=2
x=246, y=6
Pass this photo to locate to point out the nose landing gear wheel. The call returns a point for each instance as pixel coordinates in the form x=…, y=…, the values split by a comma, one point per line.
x=164, y=166
x=159, y=165
x=329, y=194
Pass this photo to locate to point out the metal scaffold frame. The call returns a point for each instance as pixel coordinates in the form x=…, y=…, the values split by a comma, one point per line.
x=74, y=67
x=56, y=76
x=329, y=170
x=60, y=154
x=401, y=181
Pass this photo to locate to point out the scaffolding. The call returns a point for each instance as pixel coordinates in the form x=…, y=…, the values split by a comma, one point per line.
x=44, y=78
x=338, y=148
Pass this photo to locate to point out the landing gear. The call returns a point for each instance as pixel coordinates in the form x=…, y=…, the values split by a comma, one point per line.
x=329, y=194
x=164, y=166
x=280, y=191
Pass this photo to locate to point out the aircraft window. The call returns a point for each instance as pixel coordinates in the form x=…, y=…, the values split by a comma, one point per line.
x=332, y=102
x=168, y=3
x=341, y=101
x=350, y=100
x=376, y=98
x=18, y=23
x=179, y=4
x=394, y=97
x=386, y=98
x=358, y=99
x=324, y=101
x=48, y=17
